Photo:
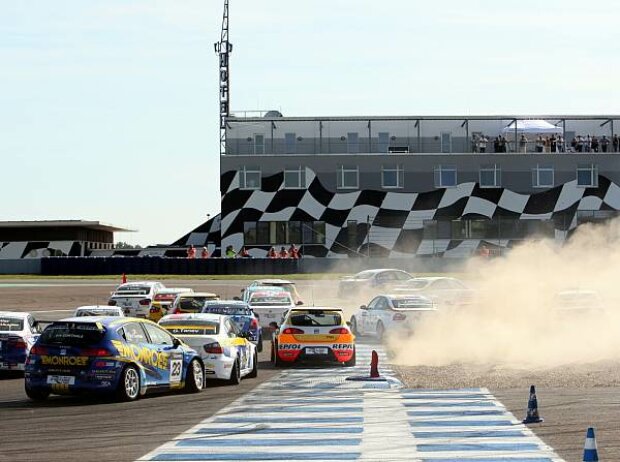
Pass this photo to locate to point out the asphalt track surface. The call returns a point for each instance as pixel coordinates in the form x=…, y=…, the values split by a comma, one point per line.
x=81, y=429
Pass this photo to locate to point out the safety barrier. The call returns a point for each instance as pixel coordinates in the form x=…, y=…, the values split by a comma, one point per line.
x=90, y=266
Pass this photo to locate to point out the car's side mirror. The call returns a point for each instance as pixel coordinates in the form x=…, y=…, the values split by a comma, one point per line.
x=363, y=307
x=299, y=303
x=236, y=298
x=176, y=343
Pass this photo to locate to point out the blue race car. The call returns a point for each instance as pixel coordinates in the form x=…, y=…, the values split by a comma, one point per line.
x=125, y=356
x=243, y=316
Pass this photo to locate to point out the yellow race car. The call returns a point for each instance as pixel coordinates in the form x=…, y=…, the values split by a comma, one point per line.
x=313, y=334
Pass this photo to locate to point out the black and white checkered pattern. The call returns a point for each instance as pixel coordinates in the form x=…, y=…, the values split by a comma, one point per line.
x=397, y=219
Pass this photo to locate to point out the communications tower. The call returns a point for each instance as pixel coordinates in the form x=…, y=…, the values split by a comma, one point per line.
x=223, y=48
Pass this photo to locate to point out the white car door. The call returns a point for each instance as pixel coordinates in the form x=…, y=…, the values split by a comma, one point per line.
x=363, y=321
x=378, y=314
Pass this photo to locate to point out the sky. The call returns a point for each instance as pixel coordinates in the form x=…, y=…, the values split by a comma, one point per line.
x=109, y=108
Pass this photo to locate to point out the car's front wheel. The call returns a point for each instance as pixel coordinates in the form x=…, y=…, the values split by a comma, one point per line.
x=195, y=379
x=259, y=345
x=129, y=384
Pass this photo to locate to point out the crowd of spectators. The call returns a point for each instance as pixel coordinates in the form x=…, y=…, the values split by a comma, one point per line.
x=550, y=143
x=292, y=252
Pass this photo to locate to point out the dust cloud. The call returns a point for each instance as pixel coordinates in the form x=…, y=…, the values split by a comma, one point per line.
x=518, y=319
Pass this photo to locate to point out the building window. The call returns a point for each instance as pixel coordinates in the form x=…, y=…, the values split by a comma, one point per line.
x=392, y=176
x=313, y=232
x=290, y=143
x=283, y=232
x=490, y=176
x=445, y=176
x=587, y=175
x=542, y=176
x=446, y=142
x=295, y=177
x=348, y=177
x=259, y=144
x=353, y=143
x=383, y=142
x=249, y=178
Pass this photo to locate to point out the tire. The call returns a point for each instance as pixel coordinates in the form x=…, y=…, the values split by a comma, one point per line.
x=254, y=373
x=273, y=353
x=354, y=329
x=350, y=362
x=276, y=359
x=380, y=331
x=36, y=395
x=129, y=384
x=235, y=374
x=194, y=377
x=259, y=345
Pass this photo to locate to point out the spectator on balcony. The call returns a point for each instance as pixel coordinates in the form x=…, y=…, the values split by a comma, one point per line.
x=474, y=143
x=553, y=143
x=496, y=144
x=243, y=253
x=560, y=144
x=594, y=143
x=272, y=253
x=540, y=143
x=283, y=253
x=616, y=143
x=293, y=252
x=230, y=252
x=588, y=143
x=523, y=144
x=573, y=145
x=483, y=140
x=604, y=143
x=502, y=144
x=204, y=253
x=580, y=144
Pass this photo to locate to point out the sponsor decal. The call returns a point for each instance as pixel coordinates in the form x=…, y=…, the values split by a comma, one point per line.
x=289, y=346
x=48, y=360
x=342, y=346
x=143, y=355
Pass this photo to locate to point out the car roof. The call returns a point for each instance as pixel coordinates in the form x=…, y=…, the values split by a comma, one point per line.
x=172, y=290
x=226, y=302
x=273, y=281
x=213, y=317
x=103, y=320
x=97, y=307
x=266, y=289
x=14, y=314
x=431, y=278
x=404, y=295
x=139, y=283
x=263, y=292
x=197, y=294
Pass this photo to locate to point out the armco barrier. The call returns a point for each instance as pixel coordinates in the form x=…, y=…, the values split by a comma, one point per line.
x=20, y=266
x=88, y=266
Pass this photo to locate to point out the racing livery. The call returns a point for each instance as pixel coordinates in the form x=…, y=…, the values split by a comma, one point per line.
x=126, y=356
x=226, y=352
x=18, y=332
x=241, y=313
x=313, y=334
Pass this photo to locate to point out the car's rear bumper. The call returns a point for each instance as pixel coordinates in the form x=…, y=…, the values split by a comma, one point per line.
x=314, y=353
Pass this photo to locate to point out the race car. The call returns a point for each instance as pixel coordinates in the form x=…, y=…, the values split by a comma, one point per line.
x=241, y=314
x=226, y=353
x=387, y=313
x=270, y=305
x=125, y=356
x=313, y=334
x=443, y=291
x=98, y=310
x=135, y=297
x=163, y=300
x=191, y=303
x=18, y=332
x=371, y=281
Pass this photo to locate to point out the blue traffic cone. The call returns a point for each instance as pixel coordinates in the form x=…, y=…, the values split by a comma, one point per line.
x=590, y=454
x=532, y=408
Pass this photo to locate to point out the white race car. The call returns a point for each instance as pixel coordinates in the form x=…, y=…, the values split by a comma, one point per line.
x=444, y=291
x=387, y=313
x=227, y=355
x=98, y=310
x=270, y=305
x=135, y=297
x=18, y=332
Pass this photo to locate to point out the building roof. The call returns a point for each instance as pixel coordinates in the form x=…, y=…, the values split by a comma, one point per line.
x=95, y=225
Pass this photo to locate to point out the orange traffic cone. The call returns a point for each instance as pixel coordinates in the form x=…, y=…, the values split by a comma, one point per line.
x=374, y=365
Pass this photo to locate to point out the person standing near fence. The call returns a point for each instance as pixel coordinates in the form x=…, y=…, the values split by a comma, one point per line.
x=604, y=143
x=204, y=253
x=523, y=144
x=616, y=142
x=191, y=252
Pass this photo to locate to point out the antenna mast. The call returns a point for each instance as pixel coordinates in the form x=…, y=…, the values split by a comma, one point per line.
x=223, y=48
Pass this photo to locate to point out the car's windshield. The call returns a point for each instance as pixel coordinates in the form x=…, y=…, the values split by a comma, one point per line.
x=307, y=318
x=365, y=275
x=97, y=312
x=417, y=283
x=404, y=303
x=133, y=290
x=274, y=299
x=72, y=334
x=233, y=309
x=190, y=327
x=193, y=303
x=8, y=324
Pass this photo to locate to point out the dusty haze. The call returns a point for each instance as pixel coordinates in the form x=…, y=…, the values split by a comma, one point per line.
x=515, y=321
